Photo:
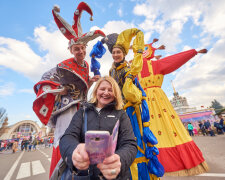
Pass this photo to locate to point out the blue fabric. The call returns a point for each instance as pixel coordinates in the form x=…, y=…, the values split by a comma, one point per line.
x=151, y=151
x=153, y=166
x=148, y=136
x=143, y=171
x=137, y=134
x=97, y=51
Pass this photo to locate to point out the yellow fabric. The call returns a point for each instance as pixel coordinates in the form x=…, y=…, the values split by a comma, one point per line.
x=131, y=92
x=165, y=123
x=134, y=171
x=141, y=160
x=146, y=124
x=199, y=169
x=154, y=177
x=137, y=64
x=138, y=115
x=125, y=38
x=141, y=150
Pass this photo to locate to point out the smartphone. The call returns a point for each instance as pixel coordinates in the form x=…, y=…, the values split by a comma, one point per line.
x=97, y=144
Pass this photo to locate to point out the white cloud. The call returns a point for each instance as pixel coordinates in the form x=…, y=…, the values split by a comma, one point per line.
x=202, y=78
x=213, y=14
x=7, y=89
x=205, y=79
x=29, y=91
x=20, y=57
x=168, y=18
x=27, y=116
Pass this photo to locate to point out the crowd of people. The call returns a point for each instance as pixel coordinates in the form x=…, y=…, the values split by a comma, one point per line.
x=24, y=144
x=207, y=128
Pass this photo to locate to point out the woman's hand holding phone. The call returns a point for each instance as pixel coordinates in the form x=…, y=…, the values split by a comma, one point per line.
x=111, y=166
x=80, y=157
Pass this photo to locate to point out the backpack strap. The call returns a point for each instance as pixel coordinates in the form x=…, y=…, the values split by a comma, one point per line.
x=85, y=119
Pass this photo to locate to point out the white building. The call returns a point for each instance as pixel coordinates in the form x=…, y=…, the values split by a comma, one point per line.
x=24, y=128
x=180, y=103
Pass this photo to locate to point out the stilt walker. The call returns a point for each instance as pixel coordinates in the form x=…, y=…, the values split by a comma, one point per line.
x=178, y=153
x=146, y=165
x=63, y=88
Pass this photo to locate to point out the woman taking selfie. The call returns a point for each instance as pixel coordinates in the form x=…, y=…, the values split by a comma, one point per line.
x=103, y=111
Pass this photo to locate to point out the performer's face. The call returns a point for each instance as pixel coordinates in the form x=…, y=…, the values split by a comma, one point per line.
x=117, y=55
x=104, y=94
x=79, y=51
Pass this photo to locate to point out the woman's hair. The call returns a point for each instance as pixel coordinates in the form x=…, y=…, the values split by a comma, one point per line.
x=116, y=91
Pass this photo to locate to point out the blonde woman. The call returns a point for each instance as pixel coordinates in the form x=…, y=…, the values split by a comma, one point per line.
x=103, y=111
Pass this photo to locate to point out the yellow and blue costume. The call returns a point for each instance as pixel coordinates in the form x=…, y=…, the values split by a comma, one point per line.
x=146, y=165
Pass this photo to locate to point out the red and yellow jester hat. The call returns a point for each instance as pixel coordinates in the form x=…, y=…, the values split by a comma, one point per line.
x=149, y=51
x=74, y=33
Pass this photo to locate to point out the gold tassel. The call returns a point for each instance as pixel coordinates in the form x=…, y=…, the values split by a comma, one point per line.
x=199, y=169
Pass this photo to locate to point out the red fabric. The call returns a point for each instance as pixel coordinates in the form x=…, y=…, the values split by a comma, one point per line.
x=41, y=83
x=171, y=63
x=49, y=103
x=145, y=71
x=72, y=66
x=184, y=156
x=55, y=159
x=74, y=32
x=82, y=6
x=152, y=87
x=66, y=32
x=47, y=100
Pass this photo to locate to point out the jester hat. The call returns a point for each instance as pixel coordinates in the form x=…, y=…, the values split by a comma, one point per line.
x=74, y=33
x=123, y=40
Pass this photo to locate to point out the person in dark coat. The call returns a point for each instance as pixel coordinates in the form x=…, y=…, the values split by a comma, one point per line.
x=202, y=128
x=207, y=125
x=221, y=124
x=103, y=111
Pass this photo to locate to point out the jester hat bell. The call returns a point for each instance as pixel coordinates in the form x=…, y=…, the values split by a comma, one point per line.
x=74, y=33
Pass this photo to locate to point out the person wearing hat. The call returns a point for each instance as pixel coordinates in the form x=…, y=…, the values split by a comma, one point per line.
x=61, y=90
x=146, y=165
x=174, y=141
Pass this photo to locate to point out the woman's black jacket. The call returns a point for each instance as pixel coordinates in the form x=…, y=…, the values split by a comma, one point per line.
x=103, y=120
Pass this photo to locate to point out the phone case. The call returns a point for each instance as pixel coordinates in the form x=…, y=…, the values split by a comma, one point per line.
x=96, y=144
x=100, y=144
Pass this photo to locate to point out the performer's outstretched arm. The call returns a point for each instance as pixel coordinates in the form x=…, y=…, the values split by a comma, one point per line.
x=171, y=63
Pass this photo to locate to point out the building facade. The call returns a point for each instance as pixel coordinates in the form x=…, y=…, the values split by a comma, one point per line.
x=180, y=103
x=22, y=129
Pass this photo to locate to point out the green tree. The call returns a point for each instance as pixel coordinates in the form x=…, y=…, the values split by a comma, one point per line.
x=216, y=105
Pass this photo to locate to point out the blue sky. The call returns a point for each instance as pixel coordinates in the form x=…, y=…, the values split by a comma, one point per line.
x=30, y=44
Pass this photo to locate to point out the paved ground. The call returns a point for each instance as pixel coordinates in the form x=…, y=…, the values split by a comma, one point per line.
x=213, y=149
x=35, y=165
x=26, y=165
